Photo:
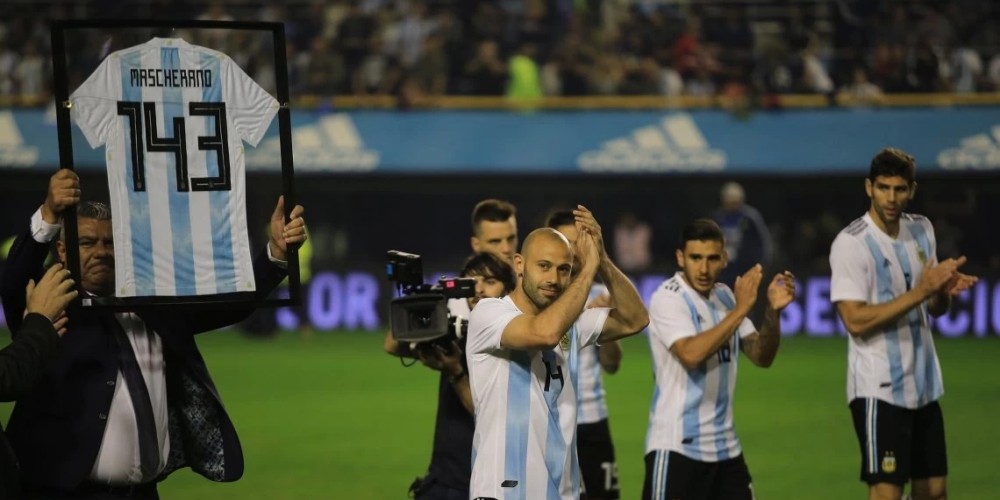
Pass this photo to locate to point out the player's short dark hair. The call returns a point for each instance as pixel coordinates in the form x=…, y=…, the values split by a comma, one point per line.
x=491, y=210
x=560, y=217
x=892, y=162
x=487, y=264
x=701, y=230
x=89, y=210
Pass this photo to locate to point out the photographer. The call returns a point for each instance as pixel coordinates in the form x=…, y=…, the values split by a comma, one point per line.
x=451, y=467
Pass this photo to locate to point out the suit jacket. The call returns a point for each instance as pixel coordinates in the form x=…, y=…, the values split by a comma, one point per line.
x=21, y=364
x=56, y=430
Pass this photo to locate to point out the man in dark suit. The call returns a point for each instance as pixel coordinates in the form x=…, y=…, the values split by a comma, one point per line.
x=129, y=399
x=31, y=353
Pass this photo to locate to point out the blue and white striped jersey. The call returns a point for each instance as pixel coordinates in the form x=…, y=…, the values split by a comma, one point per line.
x=172, y=117
x=899, y=365
x=525, y=440
x=692, y=411
x=590, y=394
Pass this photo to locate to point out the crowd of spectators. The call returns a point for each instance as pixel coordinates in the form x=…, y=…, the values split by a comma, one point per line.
x=527, y=48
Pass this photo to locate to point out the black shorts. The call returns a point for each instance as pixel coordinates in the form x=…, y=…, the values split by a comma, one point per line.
x=672, y=476
x=899, y=444
x=597, y=460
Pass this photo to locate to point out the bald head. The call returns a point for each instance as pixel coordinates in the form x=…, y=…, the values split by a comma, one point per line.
x=543, y=267
x=544, y=237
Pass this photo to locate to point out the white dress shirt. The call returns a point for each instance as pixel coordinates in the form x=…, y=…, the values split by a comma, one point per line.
x=118, y=461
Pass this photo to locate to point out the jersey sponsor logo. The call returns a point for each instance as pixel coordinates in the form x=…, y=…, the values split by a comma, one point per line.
x=675, y=144
x=332, y=144
x=976, y=152
x=13, y=151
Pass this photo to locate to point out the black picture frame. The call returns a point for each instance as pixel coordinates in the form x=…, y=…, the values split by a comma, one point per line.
x=63, y=125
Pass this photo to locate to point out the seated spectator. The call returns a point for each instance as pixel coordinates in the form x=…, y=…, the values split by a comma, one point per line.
x=860, y=92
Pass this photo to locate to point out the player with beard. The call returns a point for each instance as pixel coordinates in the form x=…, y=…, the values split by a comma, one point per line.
x=521, y=352
x=886, y=283
x=698, y=328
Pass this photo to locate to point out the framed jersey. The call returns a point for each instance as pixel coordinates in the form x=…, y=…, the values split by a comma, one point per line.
x=174, y=114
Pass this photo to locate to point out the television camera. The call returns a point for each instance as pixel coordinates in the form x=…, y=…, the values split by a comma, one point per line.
x=420, y=313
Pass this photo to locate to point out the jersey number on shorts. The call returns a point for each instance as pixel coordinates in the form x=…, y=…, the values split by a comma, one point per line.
x=140, y=117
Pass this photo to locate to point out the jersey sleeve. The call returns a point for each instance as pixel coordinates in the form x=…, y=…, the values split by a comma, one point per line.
x=250, y=107
x=95, y=103
x=932, y=239
x=849, y=266
x=590, y=324
x=670, y=318
x=486, y=325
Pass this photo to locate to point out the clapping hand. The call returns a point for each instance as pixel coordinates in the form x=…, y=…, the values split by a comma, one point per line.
x=585, y=221
x=746, y=286
x=781, y=291
x=945, y=278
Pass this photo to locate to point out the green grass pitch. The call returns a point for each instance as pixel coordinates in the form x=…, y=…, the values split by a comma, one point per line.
x=329, y=415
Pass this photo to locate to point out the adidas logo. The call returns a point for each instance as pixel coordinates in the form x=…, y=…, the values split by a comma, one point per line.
x=330, y=144
x=676, y=144
x=13, y=151
x=977, y=152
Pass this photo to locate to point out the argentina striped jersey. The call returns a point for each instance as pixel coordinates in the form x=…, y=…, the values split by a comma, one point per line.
x=172, y=117
x=524, y=447
x=898, y=365
x=692, y=412
x=592, y=405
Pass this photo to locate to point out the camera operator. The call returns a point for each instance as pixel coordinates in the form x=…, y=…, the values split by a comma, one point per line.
x=451, y=466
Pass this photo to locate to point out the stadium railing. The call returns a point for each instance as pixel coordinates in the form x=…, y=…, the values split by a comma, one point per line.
x=607, y=102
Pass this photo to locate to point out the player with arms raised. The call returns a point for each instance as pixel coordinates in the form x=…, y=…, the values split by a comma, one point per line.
x=697, y=328
x=520, y=349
